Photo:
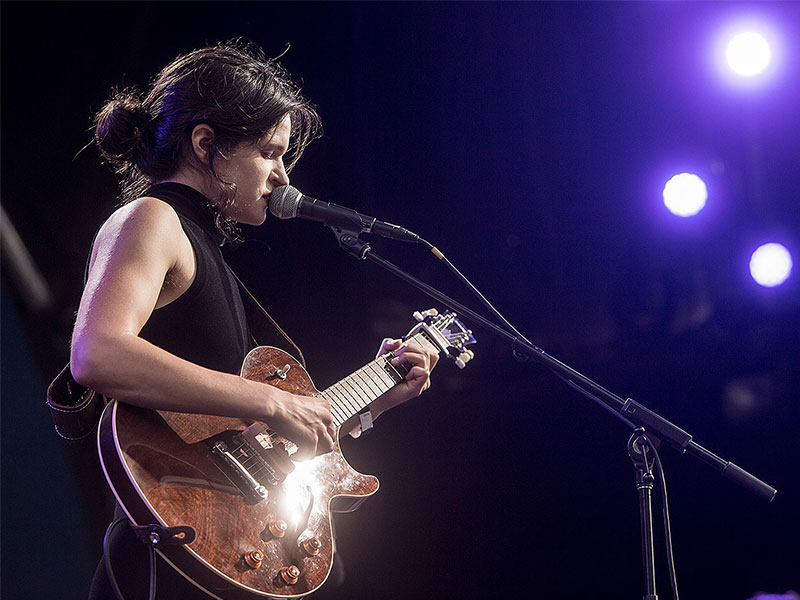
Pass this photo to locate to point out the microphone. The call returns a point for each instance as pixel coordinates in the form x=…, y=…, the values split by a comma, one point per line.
x=287, y=202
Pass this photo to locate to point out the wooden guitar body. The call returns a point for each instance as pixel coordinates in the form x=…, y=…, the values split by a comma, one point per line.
x=168, y=474
x=220, y=498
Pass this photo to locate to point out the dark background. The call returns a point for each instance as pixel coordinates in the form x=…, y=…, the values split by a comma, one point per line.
x=530, y=143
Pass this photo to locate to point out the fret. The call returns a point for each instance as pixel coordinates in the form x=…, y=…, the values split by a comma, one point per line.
x=373, y=375
x=339, y=409
x=350, y=395
x=367, y=382
x=353, y=393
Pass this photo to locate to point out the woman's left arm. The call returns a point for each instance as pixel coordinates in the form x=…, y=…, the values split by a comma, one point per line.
x=420, y=363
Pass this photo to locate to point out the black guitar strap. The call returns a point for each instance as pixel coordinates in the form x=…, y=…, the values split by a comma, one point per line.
x=269, y=320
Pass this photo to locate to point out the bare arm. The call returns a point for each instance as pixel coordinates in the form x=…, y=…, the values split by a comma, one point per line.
x=420, y=362
x=134, y=252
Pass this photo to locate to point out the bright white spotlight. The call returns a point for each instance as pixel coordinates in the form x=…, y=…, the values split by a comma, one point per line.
x=748, y=54
x=685, y=195
x=770, y=265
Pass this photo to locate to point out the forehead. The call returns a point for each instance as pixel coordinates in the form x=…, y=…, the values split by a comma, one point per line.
x=279, y=136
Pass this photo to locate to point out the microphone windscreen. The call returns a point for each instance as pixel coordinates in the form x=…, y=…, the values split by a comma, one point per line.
x=284, y=200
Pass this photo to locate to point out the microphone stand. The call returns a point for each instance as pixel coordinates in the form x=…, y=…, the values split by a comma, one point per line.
x=649, y=428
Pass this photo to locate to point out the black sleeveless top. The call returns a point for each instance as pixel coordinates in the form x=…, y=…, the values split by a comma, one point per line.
x=207, y=324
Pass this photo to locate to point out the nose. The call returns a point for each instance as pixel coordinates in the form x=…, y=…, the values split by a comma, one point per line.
x=279, y=176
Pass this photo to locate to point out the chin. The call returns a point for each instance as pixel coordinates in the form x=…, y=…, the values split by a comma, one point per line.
x=254, y=219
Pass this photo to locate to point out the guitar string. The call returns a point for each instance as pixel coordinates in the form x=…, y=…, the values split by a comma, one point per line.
x=349, y=391
x=347, y=400
x=335, y=408
x=367, y=381
x=346, y=392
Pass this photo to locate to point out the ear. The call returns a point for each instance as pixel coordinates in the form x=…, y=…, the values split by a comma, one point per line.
x=202, y=137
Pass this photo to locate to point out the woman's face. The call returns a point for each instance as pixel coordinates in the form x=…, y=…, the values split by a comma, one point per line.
x=256, y=168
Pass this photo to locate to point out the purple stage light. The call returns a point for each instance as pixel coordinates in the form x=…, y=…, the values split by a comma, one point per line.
x=748, y=54
x=749, y=49
x=770, y=264
x=685, y=195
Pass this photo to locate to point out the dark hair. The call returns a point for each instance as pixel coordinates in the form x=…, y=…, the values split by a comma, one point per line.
x=231, y=87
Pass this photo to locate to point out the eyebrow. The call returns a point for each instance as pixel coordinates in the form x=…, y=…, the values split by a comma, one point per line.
x=272, y=145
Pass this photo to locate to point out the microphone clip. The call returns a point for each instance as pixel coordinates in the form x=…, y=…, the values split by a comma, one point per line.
x=351, y=243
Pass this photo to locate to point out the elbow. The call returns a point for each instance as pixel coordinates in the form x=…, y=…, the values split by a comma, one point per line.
x=89, y=362
x=82, y=365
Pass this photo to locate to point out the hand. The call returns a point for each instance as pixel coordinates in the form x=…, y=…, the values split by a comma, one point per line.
x=418, y=361
x=306, y=421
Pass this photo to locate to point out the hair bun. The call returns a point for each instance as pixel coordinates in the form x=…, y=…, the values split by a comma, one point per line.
x=121, y=126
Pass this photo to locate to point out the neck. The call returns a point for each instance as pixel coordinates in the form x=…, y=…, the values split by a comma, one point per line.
x=190, y=177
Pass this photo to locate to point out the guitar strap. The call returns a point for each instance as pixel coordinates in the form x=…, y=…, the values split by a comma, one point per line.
x=272, y=323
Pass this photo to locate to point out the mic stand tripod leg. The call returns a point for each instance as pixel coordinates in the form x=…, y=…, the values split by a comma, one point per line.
x=638, y=447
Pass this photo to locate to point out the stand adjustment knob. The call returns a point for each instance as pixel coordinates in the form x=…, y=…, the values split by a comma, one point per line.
x=290, y=574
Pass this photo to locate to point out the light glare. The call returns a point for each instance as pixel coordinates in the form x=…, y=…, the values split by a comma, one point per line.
x=770, y=265
x=685, y=195
x=748, y=54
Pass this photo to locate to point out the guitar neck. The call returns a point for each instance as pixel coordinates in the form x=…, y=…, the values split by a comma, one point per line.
x=355, y=392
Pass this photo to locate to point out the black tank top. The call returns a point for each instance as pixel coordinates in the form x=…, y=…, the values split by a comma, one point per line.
x=206, y=324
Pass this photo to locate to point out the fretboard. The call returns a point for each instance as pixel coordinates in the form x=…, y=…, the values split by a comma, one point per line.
x=353, y=393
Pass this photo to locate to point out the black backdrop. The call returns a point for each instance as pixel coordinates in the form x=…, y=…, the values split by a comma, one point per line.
x=530, y=143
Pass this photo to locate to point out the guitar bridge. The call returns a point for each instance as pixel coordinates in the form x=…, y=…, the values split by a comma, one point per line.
x=252, y=463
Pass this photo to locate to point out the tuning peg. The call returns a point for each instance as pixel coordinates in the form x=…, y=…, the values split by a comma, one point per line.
x=464, y=358
x=420, y=316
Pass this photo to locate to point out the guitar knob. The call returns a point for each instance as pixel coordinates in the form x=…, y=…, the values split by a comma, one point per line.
x=311, y=546
x=290, y=574
x=277, y=527
x=253, y=558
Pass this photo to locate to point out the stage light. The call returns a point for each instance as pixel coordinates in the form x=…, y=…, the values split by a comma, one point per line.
x=748, y=54
x=770, y=265
x=685, y=195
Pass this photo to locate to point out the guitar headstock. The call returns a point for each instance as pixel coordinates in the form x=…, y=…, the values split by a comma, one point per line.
x=448, y=333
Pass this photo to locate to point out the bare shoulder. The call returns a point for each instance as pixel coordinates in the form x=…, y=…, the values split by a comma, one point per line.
x=146, y=216
x=145, y=235
x=146, y=226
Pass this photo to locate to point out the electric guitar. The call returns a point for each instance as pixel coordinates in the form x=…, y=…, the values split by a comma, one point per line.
x=220, y=498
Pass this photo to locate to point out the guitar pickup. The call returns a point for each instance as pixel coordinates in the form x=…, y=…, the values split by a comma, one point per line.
x=252, y=462
x=253, y=491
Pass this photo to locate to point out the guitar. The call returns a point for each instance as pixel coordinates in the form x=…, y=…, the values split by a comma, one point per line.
x=220, y=498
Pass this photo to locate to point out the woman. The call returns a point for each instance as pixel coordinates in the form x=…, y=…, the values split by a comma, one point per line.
x=161, y=324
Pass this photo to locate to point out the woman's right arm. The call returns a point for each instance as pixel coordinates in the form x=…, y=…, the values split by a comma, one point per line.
x=137, y=250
